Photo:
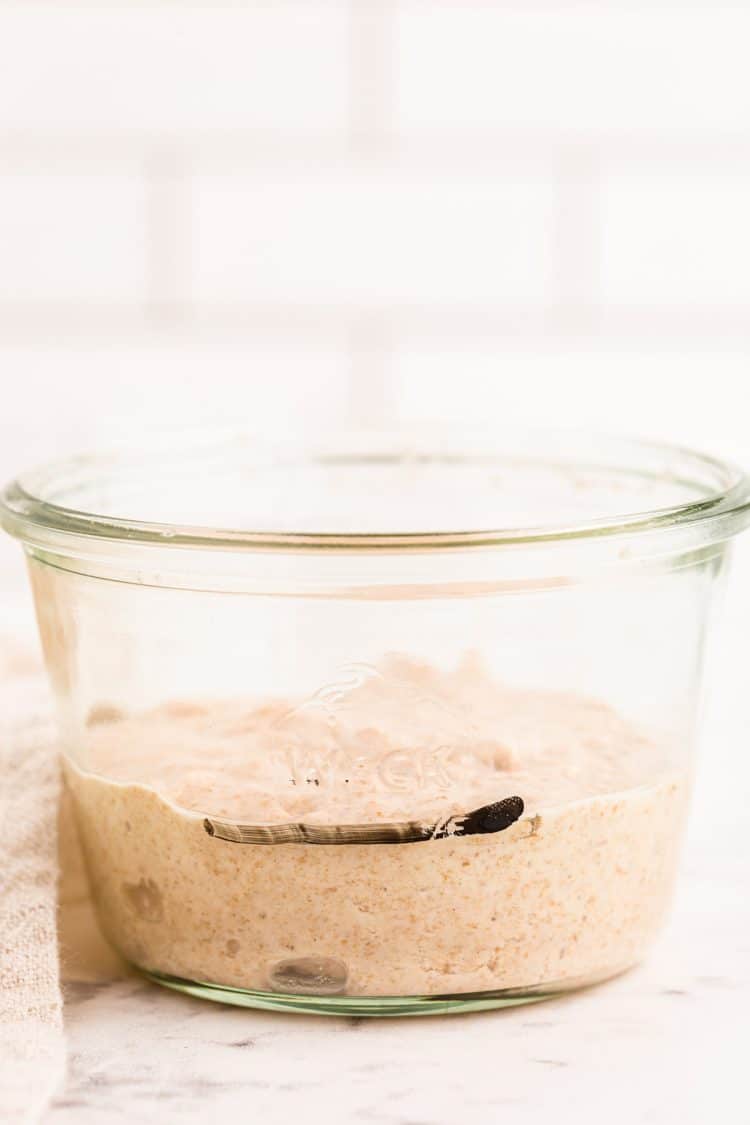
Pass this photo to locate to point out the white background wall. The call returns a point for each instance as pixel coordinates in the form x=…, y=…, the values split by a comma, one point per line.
x=305, y=211
x=309, y=210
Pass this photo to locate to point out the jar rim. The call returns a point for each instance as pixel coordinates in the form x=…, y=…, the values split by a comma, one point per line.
x=716, y=497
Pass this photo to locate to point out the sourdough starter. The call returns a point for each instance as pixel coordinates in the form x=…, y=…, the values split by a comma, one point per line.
x=572, y=892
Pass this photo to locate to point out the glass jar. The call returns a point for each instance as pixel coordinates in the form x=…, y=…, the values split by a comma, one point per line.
x=390, y=724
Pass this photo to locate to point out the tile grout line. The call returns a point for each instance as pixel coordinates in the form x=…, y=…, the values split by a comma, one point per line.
x=371, y=76
x=369, y=138
x=372, y=391
x=533, y=324
x=578, y=236
x=167, y=237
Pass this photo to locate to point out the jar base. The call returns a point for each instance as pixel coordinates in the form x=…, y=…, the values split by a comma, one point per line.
x=378, y=1006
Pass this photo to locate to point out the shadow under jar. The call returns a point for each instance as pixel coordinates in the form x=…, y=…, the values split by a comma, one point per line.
x=389, y=724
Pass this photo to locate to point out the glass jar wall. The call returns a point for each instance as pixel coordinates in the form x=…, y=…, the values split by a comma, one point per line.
x=397, y=725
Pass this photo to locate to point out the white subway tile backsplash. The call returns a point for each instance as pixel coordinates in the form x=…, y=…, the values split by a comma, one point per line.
x=174, y=67
x=331, y=209
x=61, y=400
x=371, y=237
x=571, y=67
x=679, y=396
x=65, y=399
x=67, y=237
x=674, y=236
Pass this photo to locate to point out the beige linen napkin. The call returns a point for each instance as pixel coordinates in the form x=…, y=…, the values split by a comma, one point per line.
x=32, y=1051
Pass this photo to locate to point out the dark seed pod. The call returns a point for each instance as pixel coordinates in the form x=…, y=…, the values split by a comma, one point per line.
x=492, y=818
x=483, y=821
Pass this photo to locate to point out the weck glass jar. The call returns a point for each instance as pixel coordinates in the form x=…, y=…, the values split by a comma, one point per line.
x=386, y=724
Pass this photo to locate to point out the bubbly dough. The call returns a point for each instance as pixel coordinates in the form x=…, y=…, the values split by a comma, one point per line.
x=575, y=890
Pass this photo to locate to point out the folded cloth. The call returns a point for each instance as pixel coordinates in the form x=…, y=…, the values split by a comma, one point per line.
x=32, y=1051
